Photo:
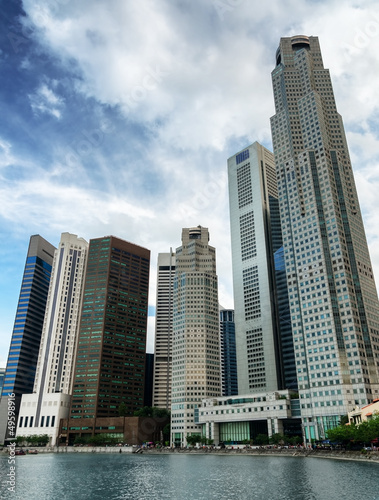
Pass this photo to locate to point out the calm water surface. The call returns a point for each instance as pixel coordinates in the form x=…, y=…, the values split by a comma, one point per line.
x=177, y=477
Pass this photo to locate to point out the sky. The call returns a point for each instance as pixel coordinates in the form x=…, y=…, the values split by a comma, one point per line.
x=118, y=117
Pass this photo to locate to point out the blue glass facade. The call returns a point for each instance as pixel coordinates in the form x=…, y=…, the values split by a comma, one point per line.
x=228, y=353
x=287, y=356
x=27, y=330
x=24, y=348
x=2, y=374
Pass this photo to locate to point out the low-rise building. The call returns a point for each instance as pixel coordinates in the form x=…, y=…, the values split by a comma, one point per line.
x=359, y=415
x=240, y=419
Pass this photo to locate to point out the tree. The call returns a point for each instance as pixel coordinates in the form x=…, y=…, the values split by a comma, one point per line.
x=122, y=410
x=261, y=439
x=166, y=431
x=193, y=439
x=20, y=440
x=152, y=411
x=276, y=438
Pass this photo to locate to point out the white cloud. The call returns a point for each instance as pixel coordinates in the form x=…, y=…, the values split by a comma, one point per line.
x=197, y=86
x=45, y=101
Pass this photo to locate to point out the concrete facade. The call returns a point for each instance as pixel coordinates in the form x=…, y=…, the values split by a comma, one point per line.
x=163, y=331
x=195, y=348
x=333, y=298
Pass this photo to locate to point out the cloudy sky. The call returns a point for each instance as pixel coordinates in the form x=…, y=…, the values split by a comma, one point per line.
x=118, y=116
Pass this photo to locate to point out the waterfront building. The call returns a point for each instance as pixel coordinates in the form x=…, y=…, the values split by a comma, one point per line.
x=229, y=385
x=195, y=344
x=240, y=419
x=109, y=372
x=41, y=410
x=163, y=331
x=261, y=330
x=26, y=336
x=333, y=299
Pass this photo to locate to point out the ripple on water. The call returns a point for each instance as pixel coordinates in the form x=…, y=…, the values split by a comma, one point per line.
x=173, y=476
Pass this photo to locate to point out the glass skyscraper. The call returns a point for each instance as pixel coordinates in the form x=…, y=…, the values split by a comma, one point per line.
x=27, y=330
x=229, y=383
x=111, y=349
x=333, y=299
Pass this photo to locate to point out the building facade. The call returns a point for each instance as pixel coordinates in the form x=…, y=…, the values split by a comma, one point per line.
x=163, y=331
x=333, y=300
x=195, y=348
x=229, y=382
x=240, y=419
x=256, y=236
x=26, y=336
x=41, y=410
x=109, y=372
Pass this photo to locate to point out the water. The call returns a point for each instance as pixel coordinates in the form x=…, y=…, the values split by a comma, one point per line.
x=188, y=477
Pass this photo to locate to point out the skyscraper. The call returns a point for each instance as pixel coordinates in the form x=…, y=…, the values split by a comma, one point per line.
x=255, y=239
x=163, y=331
x=228, y=359
x=27, y=330
x=195, y=345
x=110, y=362
x=41, y=410
x=333, y=299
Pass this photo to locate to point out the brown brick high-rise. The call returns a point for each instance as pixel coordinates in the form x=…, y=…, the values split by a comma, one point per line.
x=110, y=359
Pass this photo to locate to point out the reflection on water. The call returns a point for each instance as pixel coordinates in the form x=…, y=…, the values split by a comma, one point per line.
x=174, y=477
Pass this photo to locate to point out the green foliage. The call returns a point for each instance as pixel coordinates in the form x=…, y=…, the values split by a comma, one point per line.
x=98, y=440
x=193, y=439
x=344, y=420
x=33, y=440
x=261, y=439
x=276, y=439
x=294, y=440
x=122, y=410
x=166, y=431
x=152, y=411
x=80, y=440
x=365, y=432
x=20, y=440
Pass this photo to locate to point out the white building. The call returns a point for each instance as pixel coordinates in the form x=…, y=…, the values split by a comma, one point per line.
x=163, y=331
x=41, y=411
x=240, y=419
x=252, y=184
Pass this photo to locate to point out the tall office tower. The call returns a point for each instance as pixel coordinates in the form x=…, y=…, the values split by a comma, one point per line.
x=163, y=331
x=41, y=411
x=253, y=205
x=110, y=363
x=27, y=330
x=195, y=346
x=229, y=385
x=334, y=303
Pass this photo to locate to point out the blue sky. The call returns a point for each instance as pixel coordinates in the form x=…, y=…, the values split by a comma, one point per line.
x=118, y=118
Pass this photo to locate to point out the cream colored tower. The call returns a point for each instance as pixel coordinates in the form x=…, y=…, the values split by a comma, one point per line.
x=195, y=348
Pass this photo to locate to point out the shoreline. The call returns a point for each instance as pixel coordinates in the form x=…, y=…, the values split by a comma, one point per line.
x=370, y=456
